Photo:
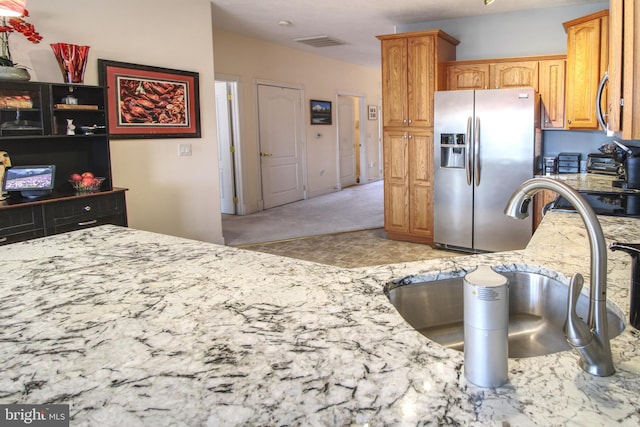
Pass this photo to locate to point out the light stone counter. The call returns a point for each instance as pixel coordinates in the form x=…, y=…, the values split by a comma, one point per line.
x=590, y=182
x=132, y=328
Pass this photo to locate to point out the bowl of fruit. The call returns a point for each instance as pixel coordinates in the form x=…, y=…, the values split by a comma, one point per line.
x=85, y=182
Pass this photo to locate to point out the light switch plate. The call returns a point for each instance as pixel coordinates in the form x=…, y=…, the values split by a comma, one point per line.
x=185, y=149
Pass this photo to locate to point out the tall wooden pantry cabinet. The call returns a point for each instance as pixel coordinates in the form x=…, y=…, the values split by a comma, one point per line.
x=412, y=69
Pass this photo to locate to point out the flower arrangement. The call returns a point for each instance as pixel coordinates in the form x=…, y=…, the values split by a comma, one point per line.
x=7, y=26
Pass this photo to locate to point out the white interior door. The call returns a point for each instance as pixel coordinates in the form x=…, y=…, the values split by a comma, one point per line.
x=347, y=140
x=225, y=151
x=281, y=148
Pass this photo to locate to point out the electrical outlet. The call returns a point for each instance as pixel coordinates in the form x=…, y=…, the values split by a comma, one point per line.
x=185, y=149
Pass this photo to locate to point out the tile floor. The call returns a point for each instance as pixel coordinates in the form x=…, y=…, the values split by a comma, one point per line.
x=351, y=249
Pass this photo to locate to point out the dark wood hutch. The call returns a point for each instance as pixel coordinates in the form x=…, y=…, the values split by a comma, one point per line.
x=34, y=118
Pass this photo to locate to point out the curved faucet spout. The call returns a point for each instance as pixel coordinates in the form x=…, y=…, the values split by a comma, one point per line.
x=596, y=357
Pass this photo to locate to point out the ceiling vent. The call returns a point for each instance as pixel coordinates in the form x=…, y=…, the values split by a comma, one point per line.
x=320, y=41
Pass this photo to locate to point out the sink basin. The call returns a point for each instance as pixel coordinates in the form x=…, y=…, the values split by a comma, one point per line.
x=537, y=311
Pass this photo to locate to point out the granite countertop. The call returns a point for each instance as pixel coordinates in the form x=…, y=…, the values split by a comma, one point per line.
x=590, y=182
x=132, y=328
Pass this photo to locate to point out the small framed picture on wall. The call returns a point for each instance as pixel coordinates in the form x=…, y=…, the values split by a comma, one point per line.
x=373, y=112
x=320, y=112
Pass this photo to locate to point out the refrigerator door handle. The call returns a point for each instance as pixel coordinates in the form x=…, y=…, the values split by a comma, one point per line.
x=467, y=154
x=476, y=152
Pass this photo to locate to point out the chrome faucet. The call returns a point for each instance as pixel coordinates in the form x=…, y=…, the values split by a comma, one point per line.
x=590, y=339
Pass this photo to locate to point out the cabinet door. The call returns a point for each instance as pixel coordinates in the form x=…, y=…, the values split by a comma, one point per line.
x=420, y=80
x=468, y=76
x=421, y=183
x=584, y=50
x=21, y=110
x=511, y=75
x=394, y=82
x=551, y=84
x=18, y=224
x=624, y=42
x=396, y=178
x=540, y=200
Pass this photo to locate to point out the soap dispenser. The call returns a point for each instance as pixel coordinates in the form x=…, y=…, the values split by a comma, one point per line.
x=632, y=249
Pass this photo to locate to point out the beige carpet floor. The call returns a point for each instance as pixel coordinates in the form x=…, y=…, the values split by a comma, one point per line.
x=360, y=207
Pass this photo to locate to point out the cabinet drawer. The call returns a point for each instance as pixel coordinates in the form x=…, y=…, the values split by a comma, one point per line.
x=85, y=212
x=63, y=225
x=20, y=224
x=5, y=239
x=84, y=208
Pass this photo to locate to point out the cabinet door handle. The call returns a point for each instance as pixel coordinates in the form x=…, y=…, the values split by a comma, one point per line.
x=3, y=239
x=93, y=221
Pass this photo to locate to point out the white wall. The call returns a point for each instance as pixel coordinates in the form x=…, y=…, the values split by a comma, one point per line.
x=167, y=193
x=322, y=78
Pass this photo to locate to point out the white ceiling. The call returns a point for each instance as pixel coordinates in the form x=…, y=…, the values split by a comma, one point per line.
x=356, y=22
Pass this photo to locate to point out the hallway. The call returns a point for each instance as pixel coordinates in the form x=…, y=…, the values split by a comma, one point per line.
x=359, y=207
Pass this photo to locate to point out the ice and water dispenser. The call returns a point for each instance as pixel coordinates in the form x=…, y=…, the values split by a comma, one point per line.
x=452, y=146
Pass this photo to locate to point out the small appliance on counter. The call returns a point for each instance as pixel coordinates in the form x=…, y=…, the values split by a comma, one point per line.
x=607, y=164
x=629, y=173
x=550, y=165
x=569, y=163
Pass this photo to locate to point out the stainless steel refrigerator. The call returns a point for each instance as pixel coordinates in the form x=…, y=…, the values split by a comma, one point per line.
x=486, y=143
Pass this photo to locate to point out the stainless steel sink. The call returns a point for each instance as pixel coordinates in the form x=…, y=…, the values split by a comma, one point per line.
x=537, y=311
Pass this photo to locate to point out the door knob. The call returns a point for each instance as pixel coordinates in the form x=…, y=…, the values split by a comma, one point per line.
x=265, y=154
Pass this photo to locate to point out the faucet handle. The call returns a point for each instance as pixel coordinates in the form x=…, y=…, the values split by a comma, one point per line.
x=630, y=248
x=576, y=330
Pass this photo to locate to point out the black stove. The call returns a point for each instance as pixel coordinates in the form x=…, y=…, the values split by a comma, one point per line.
x=605, y=203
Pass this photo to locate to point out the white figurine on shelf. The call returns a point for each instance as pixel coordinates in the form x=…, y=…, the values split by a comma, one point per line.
x=71, y=128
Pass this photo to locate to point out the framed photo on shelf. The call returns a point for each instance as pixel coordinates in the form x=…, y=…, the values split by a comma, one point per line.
x=320, y=112
x=373, y=112
x=150, y=102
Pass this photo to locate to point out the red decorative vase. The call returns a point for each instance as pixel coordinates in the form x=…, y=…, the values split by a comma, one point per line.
x=72, y=60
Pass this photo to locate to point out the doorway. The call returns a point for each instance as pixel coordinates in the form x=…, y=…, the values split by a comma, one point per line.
x=229, y=147
x=281, y=143
x=351, y=152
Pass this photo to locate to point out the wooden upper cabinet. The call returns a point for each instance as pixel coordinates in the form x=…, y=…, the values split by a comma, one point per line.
x=587, y=57
x=408, y=75
x=467, y=76
x=511, y=75
x=410, y=68
x=421, y=80
x=394, y=82
x=551, y=87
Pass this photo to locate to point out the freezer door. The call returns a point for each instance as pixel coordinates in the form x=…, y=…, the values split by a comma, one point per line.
x=506, y=123
x=453, y=190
